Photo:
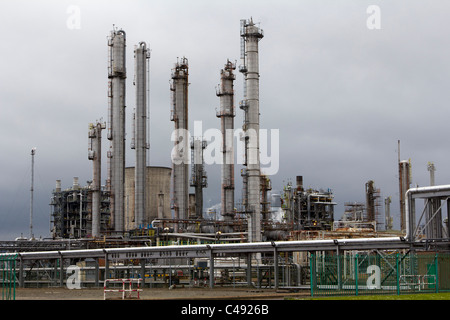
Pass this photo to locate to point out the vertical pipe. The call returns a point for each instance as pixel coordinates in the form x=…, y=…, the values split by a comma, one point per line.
x=141, y=56
x=448, y=219
x=275, y=261
x=404, y=184
x=21, y=275
x=160, y=205
x=117, y=75
x=436, y=266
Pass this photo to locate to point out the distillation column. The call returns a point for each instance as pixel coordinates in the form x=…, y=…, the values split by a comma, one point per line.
x=139, y=140
x=198, y=175
x=404, y=184
x=180, y=153
x=95, y=154
x=116, y=130
x=251, y=35
x=226, y=115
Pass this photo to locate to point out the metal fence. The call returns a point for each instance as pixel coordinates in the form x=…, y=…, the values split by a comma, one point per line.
x=8, y=276
x=379, y=273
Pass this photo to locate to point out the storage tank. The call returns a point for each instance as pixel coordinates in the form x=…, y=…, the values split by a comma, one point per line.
x=157, y=190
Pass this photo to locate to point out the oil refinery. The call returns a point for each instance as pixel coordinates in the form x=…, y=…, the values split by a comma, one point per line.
x=145, y=221
x=140, y=200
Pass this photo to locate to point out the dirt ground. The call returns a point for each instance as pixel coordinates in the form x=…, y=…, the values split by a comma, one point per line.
x=57, y=293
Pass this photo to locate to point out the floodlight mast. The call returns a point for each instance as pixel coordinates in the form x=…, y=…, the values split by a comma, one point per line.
x=33, y=152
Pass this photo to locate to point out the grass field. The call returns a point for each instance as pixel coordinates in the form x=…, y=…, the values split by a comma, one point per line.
x=422, y=296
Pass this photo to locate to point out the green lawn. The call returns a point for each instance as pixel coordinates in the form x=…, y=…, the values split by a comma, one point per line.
x=422, y=296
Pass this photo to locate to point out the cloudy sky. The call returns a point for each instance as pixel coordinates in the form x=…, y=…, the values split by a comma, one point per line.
x=341, y=94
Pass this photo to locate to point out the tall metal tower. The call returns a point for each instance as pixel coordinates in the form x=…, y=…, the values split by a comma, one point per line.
x=404, y=185
x=180, y=155
x=198, y=175
x=250, y=36
x=95, y=154
x=33, y=152
x=226, y=115
x=139, y=140
x=116, y=130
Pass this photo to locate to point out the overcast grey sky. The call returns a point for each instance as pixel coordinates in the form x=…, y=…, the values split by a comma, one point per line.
x=341, y=94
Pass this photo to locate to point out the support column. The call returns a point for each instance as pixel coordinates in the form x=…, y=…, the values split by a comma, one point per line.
x=249, y=269
x=106, y=267
x=339, y=267
x=275, y=266
x=448, y=219
x=211, y=269
x=143, y=272
x=21, y=280
x=55, y=271
x=97, y=272
x=61, y=270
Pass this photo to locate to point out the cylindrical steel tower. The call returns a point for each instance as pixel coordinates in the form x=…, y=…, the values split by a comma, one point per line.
x=404, y=185
x=226, y=115
x=180, y=155
x=139, y=142
x=33, y=152
x=116, y=130
x=95, y=154
x=198, y=176
x=251, y=35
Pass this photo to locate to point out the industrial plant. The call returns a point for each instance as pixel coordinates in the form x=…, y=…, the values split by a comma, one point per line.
x=145, y=200
x=150, y=222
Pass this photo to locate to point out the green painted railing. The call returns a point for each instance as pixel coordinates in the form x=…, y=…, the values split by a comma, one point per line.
x=8, y=276
x=380, y=273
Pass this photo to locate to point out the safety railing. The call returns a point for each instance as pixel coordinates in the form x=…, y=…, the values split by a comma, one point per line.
x=380, y=273
x=8, y=276
x=125, y=289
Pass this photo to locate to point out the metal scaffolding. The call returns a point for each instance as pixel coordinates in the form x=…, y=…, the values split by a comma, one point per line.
x=72, y=211
x=308, y=209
